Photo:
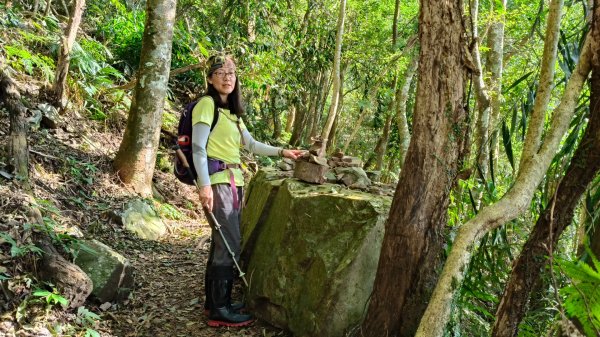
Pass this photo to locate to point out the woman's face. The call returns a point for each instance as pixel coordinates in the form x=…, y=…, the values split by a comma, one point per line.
x=224, y=78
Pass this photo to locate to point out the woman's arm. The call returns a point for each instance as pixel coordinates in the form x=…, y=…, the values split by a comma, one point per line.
x=267, y=150
x=259, y=148
x=200, y=132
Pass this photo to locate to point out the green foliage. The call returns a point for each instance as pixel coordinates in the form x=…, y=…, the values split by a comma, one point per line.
x=19, y=250
x=582, y=296
x=123, y=33
x=87, y=320
x=51, y=298
x=23, y=60
x=169, y=212
x=83, y=172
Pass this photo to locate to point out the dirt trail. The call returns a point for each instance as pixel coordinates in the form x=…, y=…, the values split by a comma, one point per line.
x=168, y=298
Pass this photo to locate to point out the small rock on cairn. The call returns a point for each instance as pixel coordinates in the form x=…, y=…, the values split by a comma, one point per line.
x=312, y=166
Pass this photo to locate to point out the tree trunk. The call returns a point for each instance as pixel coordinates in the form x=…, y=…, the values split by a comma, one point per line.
x=64, y=57
x=276, y=119
x=290, y=118
x=136, y=157
x=513, y=203
x=482, y=99
x=72, y=282
x=494, y=64
x=336, y=76
x=361, y=118
x=395, y=24
x=401, y=119
x=544, y=92
x=385, y=138
x=320, y=98
x=18, y=148
x=300, y=119
x=553, y=221
x=48, y=6
x=413, y=245
x=331, y=141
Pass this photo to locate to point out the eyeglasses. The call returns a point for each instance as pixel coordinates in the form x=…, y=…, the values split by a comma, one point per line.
x=223, y=74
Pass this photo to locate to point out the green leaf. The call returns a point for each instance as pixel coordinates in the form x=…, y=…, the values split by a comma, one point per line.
x=506, y=140
x=41, y=293
x=515, y=83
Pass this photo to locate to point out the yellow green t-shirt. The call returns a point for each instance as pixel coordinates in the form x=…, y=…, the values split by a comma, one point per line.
x=224, y=140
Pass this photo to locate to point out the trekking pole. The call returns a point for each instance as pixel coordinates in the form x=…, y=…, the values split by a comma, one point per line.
x=212, y=221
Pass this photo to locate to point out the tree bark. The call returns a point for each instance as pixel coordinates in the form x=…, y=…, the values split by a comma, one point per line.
x=336, y=76
x=401, y=119
x=48, y=6
x=331, y=141
x=290, y=118
x=300, y=119
x=72, y=282
x=412, y=247
x=322, y=91
x=59, y=89
x=544, y=92
x=482, y=98
x=361, y=116
x=136, y=157
x=276, y=119
x=554, y=220
x=513, y=203
x=496, y=38
x=18, y=148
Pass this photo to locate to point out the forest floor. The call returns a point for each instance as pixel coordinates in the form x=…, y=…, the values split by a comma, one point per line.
x=77, y=191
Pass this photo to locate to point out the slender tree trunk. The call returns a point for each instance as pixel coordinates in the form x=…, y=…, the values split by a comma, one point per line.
x=136, y=157
x=496, y=38
x=336, y=76
x=48, y=5
x=385, y=138
x=323, y=92
x=555, y=218
x=482, y=99
x=401, y=119
x=290, y=118
x=544, y=92
x=513, y=203
x=395, y=24
x=331, y=141
x=64, y=56
x=300, y=119
x=412, y=247
x=276, y=119
x=18, y=148
x=361, y=117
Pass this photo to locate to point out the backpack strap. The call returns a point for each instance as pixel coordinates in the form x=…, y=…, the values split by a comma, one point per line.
x=216, y=114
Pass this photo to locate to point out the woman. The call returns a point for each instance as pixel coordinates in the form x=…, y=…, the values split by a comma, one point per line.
x=217, y=162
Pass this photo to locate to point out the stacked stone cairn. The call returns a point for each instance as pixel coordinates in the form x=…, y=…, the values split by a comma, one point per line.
x=338, y=168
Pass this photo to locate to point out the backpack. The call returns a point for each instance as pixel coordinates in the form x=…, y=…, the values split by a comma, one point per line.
x=184, y=140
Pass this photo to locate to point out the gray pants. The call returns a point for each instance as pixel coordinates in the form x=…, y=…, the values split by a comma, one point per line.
x=229, y=217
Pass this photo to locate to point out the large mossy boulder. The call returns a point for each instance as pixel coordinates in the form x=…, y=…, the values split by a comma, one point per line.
x=310, y=253
x=141, y=220
x=111, y=272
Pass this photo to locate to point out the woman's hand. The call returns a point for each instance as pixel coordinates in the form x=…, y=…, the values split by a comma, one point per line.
x=292, y=154
x=206, y=197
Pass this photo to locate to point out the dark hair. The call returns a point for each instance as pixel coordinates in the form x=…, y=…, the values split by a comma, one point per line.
x=234, y=100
